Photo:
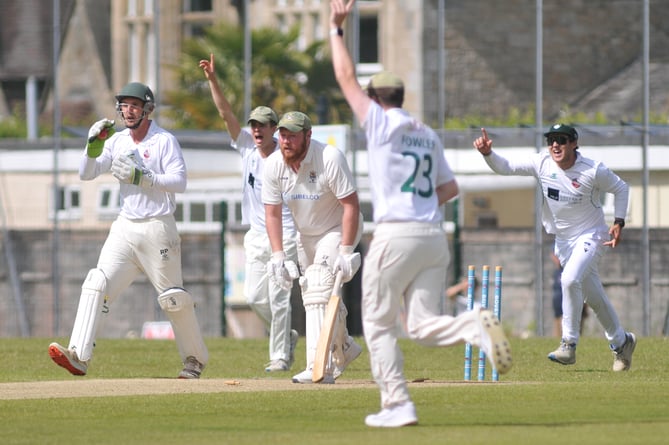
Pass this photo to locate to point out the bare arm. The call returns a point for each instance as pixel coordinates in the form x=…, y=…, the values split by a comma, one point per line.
x=343, y=64
x=448, y=191
x=350, y=219
x=222, y=104
x=274, y=226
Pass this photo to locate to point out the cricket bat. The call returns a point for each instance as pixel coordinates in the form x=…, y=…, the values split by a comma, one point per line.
x=327, y=330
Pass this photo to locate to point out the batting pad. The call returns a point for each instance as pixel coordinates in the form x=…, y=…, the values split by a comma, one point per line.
x=180, y=309
x=93, y=291
x=317, y=284
x=314, y=315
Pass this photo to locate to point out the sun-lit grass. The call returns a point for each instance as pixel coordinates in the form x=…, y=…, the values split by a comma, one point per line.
x=538, y=402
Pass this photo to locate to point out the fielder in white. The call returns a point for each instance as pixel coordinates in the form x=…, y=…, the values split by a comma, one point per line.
x=267, y=297
x=314, y=180
x=408, y=256
x=149, y=165
x=572, y=186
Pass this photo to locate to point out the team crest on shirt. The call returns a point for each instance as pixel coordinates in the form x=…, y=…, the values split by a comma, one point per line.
x=146, y=155
x=575, y=183
x=312, y=177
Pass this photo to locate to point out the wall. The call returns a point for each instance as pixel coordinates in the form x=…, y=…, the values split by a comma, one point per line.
x=513, y=249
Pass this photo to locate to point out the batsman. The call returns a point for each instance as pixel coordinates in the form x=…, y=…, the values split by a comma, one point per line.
x=315, y=182
x=149, y=165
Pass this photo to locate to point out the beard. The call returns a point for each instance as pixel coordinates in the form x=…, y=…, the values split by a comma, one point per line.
x=297, y=154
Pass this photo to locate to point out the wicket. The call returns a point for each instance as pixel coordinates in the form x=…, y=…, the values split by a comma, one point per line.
x=497, y=310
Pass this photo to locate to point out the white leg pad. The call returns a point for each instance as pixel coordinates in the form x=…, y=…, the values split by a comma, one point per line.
x=314, y=315
x=180, y=309
x=317, y=284
x=340, y=336
x=90, y=308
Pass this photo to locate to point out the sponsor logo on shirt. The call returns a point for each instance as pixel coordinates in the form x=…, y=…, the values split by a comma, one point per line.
x=304, y=197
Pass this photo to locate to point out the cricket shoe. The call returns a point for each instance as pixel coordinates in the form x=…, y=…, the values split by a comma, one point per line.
x=565, y=354
x=192, y=368
x=622, y=357
x=294, y=336
x=494, y=342
x=352, y=351
x=306, y=377
x=394, y=417
x=68, y=359
x=276, y=365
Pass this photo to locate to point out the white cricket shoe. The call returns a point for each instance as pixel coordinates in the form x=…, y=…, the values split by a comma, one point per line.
x=68, y=359
x=276, y=365
x=294, y=336
x=394, y=417
x=494, y=342
x=565, y=354
x=192, y=368
x=352, y=351
x=622, y=357
x=306, y=378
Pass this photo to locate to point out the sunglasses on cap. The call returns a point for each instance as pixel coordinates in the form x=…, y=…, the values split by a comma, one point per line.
x=559, y=138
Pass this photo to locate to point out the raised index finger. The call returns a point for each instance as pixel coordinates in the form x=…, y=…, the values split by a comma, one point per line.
x=484, y=134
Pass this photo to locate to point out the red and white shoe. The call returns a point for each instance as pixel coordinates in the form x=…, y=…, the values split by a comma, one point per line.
x=67, y=359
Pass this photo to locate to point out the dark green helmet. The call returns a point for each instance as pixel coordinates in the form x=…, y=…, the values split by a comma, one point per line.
x=136, y=90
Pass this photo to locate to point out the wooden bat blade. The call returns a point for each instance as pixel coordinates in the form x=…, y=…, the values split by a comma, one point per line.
x=327, y=330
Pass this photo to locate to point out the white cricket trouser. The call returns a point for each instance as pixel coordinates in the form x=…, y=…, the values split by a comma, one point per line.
x=151, y=246
x=269, y=301
x=407, y=262
x=581, y=283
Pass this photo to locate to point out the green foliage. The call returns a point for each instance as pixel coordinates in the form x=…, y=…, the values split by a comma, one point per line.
x=538, y=402
x=516, y=117
x=281, y=77
x=13, y=127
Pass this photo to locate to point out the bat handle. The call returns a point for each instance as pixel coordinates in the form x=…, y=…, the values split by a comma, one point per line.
x=338, y=281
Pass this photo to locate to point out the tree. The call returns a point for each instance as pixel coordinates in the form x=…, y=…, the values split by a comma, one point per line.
x=281, y=77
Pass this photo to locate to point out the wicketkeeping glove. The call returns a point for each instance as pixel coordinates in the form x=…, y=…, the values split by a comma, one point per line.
x=281, y=271
x=348, y=262
x=125, y=169
x=97, y=135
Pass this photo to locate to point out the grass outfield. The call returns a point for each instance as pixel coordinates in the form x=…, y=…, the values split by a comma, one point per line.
x=235, y=402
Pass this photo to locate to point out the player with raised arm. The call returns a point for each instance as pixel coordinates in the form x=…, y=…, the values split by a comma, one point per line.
x=149, y=165
x=266, y=289
x=407, y=258
x=572, y=186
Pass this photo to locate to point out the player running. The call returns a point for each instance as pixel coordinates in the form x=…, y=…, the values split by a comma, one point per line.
x=406, y=260
x=572, y=186
x=149, y=165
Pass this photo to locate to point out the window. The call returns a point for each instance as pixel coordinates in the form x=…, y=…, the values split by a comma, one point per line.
x=369, y=39
x=68, y=205
x=108, y=202
x=197, y=5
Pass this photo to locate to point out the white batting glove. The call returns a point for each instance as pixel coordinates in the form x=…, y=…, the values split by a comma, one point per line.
x=348, y=262
x=97, y=135
x=282, y=271
x=125, y=169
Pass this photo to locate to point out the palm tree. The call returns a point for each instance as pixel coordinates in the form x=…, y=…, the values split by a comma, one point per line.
x=281, y=77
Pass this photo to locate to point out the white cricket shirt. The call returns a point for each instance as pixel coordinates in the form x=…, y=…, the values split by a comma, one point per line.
x=313, y=193
x=406, y=165
x=572, y=197
x=253, y=209
x=160, y=152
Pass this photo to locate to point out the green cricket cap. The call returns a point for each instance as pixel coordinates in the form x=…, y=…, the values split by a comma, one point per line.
x=295, y=121
x=264, y=115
